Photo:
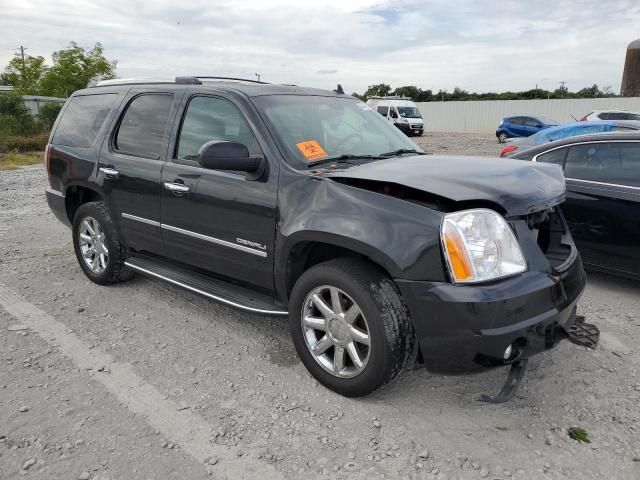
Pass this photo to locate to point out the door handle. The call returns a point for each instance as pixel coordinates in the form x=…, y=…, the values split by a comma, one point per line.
x=110, y=172
x=177, y=188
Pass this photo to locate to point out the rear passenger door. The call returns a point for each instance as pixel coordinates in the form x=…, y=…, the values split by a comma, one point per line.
x=131, y=166
x=219, y=221
x=603, y=203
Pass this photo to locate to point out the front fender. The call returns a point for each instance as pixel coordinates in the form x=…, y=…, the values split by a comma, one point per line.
x=401, y=236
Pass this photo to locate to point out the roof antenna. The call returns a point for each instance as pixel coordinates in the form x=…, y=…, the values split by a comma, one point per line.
x=339, y=90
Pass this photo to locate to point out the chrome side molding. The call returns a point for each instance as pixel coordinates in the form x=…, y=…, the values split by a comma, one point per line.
x=199, y=236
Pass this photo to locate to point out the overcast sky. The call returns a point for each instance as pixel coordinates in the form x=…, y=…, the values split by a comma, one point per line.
x=490, y=45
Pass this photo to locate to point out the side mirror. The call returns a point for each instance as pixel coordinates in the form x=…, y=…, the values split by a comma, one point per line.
x=230, y=156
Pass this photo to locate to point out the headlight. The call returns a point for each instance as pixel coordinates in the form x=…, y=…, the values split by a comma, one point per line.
x=479, y=245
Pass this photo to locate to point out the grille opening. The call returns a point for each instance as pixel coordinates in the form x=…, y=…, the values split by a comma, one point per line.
x=551, y=232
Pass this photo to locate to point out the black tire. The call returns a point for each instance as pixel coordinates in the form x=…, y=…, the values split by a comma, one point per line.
x=502, y=137
x=393, y=341
x=115, y=270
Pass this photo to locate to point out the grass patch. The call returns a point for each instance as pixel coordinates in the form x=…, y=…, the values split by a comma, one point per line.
x=13, y=160
x=579, y=434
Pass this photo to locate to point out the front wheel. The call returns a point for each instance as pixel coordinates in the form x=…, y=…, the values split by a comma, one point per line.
x=502, y=137
x=350, y=326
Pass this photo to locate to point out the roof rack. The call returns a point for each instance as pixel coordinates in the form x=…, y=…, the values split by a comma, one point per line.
x=190, y=80
x=390, y=97
x=229, y=78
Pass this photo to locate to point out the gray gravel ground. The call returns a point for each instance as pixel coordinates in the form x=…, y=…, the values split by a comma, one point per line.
x=238, y=374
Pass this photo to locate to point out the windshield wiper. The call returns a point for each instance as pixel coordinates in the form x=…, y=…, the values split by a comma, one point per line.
x=400, y=151
x=344, y=159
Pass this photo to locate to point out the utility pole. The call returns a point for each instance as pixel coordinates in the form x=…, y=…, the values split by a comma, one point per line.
x=562, y=86
x=21, y=55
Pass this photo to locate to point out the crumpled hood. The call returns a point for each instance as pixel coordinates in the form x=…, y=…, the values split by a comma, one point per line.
x=520, y=187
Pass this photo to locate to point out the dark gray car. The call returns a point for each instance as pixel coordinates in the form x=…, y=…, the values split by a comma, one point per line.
x=603, y=196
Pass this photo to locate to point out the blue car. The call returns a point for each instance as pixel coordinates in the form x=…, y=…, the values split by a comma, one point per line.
x=521, y=126
x=568, y=130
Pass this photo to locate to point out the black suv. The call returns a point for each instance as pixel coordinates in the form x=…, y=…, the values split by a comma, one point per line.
x=283, y=200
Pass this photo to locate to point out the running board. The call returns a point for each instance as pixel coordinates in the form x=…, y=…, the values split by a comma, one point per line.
x=224, y=292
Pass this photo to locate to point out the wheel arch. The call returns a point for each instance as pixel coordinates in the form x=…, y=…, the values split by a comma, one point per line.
x=78, y=194
x=311, y=248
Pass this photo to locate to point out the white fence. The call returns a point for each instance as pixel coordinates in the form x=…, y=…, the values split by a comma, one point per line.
x=34, y=102
x=483, y=116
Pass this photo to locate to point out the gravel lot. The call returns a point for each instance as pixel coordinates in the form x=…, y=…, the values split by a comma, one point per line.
x=143, y=380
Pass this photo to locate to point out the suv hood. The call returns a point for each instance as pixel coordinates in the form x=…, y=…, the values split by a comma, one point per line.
x=520, y=187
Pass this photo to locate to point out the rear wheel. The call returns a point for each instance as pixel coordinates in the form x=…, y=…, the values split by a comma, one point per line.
x=350, y=326
x=502, y=137
x=97, y=245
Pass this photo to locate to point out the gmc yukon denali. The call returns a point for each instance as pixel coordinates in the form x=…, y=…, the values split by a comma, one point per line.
x=305, y=203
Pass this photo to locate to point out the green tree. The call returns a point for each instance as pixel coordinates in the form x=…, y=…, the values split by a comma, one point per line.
x=74, y=67
x=379, y=90
x=589, y=92
x=15, y=118
x=25, y=78
x=48, y=113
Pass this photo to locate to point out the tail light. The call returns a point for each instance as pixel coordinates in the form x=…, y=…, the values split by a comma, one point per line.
x=47, y=163
x=583, y=119
x=508, y=149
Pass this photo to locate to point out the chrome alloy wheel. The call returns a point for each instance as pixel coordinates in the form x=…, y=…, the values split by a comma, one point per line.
x=335, y=331
x=93, y=247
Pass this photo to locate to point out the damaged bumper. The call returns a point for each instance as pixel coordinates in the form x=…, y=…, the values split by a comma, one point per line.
x=466, y=328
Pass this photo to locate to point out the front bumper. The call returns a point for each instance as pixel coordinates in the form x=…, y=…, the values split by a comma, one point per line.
x=467, y=328
x=410, y=129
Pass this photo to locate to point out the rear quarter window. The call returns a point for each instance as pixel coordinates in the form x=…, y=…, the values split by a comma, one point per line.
x=82, y=119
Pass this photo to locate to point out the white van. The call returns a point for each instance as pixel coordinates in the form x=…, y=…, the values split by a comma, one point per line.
x=400, y=111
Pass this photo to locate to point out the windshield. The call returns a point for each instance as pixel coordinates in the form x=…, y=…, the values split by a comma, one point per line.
x=409, y=112
x=314, y=128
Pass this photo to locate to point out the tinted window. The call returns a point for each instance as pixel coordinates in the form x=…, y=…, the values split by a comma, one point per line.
x=617, y=116
x=383, y=111
x=531, y=122
x=629, y=164
x=82, y=119
x=143, y=125
x=617, y=163
x=208, y=119
x=603, y=116
x=554, y=156
x=516, y=120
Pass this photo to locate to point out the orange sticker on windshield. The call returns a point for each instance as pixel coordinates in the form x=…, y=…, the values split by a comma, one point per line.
x=311, y=150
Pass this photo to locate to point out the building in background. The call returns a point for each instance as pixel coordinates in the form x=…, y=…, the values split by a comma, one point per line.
x=631, y=75
x=33, y=102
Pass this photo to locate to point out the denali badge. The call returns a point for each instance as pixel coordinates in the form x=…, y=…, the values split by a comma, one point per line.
x=242, y=241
